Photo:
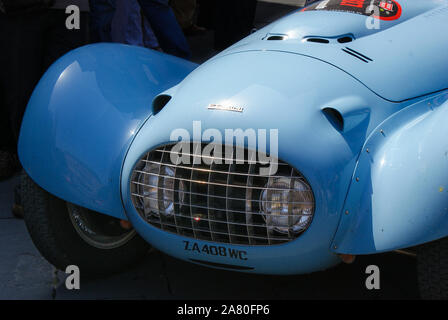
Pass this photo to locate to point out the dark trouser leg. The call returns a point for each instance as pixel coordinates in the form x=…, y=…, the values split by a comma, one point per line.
x=59, y=40
x=7, y=141
x=21, y=64
x=101, y=16
x=233, y=21
x=207, y=11
x=165, y=27
x=184, y=11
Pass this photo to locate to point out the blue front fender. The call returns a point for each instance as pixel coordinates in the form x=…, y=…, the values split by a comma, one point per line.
x=83, y=115
x=398, y=196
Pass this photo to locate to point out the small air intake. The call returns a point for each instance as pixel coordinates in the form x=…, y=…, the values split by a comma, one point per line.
x=160, y=102
x=345, y=39
x=318, y=40
x=274, y=38
x=335, y=118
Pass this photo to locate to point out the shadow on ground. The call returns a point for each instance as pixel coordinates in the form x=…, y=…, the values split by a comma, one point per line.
x=163, y=277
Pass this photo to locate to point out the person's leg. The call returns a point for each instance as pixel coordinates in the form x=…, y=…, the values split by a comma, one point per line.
x=20, y=65
x=165, y=27
x=184, y=11
x=59, y=40
x=149, y=38
x=101, y=16
x=223, y=23
x=233, y=21
x=6, y=137
x=206, y=15
x=126, y=24
x=7, y=143
x=249, y=7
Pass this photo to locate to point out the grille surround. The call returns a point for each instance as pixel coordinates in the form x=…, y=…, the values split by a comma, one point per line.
x=214, y=202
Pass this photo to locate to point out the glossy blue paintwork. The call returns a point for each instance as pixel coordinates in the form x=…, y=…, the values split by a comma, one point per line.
x=89, y=122
x=407, y=53
x=307, y=140
x=399, y=193
x=83, y=115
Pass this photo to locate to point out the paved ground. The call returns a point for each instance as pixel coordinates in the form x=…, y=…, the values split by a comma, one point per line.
x=24, y=274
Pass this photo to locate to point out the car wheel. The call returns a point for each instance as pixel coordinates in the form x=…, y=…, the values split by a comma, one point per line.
x=66, y=234
x=432, y=267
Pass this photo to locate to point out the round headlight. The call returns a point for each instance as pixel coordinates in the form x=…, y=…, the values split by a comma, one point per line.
x=157, y=188
x=287, y=205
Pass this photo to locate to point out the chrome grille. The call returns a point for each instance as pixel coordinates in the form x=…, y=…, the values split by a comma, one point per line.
x=215, y=202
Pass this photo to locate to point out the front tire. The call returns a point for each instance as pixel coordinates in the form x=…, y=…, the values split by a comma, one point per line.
x=432, y=267
x=66, y=234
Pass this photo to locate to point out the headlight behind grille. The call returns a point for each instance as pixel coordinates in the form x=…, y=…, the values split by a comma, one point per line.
x=227, y=203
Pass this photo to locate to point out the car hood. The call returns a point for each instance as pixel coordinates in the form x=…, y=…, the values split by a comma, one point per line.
x=399, y=58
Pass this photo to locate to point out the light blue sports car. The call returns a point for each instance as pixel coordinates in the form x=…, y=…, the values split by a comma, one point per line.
x=318, y=138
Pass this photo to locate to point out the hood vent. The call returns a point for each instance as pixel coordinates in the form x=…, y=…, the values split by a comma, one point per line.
x=358, y=55
x=277, y=37
x=345, y=39
x=318, y=40
x=335, y=118
x=160, y=102
x=330, y=40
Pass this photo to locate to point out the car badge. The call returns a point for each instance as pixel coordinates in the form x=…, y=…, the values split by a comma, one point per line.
x=225, y=108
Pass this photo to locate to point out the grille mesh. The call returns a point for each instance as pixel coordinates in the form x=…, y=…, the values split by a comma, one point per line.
x=215, y=202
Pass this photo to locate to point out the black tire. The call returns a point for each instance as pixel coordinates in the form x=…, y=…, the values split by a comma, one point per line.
x=53, y=233
x=432, y=267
